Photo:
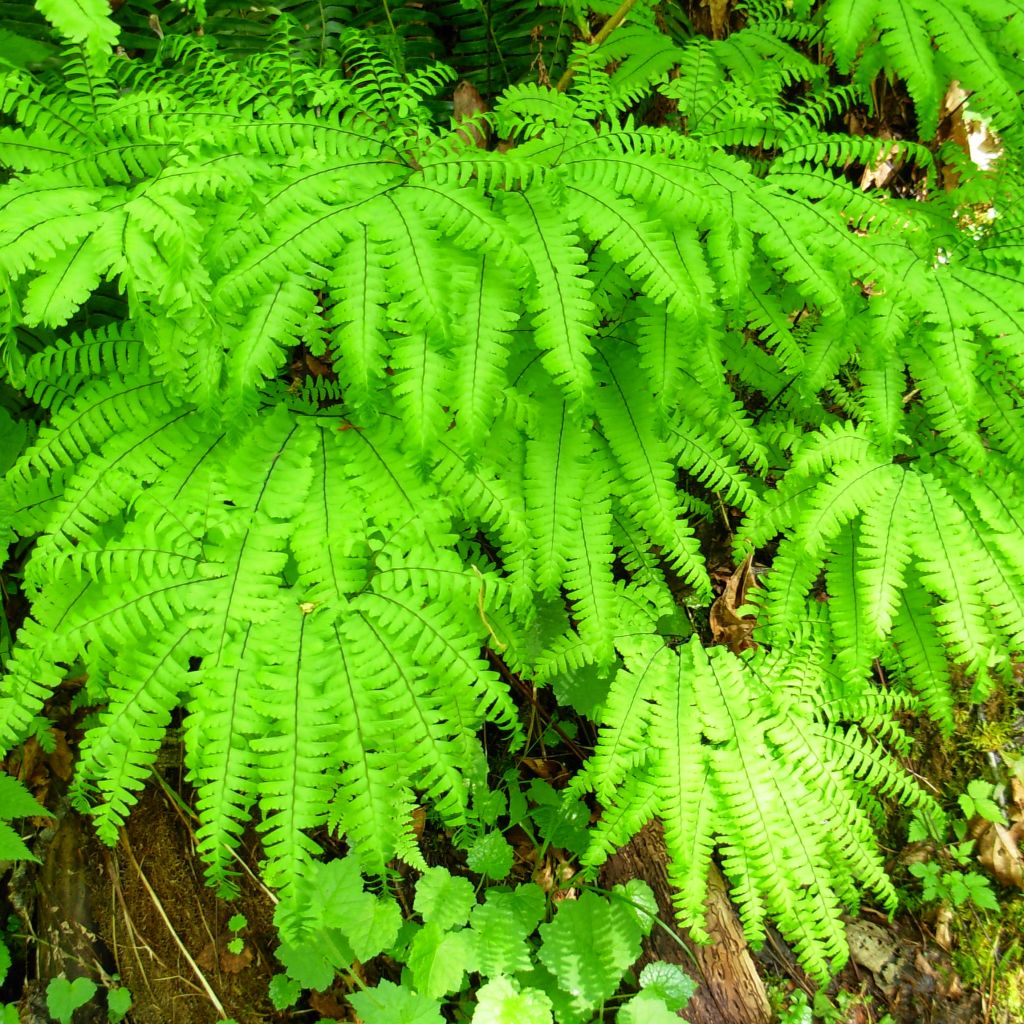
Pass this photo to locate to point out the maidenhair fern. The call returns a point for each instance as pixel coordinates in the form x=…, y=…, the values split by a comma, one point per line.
x=339, y=411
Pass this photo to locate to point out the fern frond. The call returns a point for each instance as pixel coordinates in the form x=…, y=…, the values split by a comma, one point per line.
x=644, y=468
x=553, y=485
x=723, y=754
x=848, y=490
x=588, y=578
x=944, y=546
x=117, y=756
x=562, y=311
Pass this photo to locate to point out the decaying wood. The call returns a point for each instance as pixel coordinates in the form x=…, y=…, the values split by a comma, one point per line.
x=68, y=944
x=730, y=989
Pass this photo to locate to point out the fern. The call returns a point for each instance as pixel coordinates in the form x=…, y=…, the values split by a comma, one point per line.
x=340, y=413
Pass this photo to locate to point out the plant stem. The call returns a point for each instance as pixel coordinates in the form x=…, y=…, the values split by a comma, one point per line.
x=606, y=30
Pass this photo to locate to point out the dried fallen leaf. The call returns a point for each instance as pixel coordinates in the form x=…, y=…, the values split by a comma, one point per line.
x=999, y=853
x=61, y=761
x=1017, y=797
x=419, y=821
x=727, y=627
x=235, y=963
x=547, y=768
x=876, y=949
x=329, y=1005
x=944, y=927
x=468, y=107
x=719, y=13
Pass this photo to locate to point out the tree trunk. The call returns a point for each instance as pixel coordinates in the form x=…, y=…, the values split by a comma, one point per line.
x=730, y=989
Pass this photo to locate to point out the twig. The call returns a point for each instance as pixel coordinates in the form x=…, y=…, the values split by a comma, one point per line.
x=135, y=940
x=606, y=30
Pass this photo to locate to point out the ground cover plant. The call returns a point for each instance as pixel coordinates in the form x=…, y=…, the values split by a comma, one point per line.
x=334, y=418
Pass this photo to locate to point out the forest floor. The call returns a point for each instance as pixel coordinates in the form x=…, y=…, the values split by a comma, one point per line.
x=140, y=912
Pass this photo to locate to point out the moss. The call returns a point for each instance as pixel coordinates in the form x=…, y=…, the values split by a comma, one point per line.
x=990, y=957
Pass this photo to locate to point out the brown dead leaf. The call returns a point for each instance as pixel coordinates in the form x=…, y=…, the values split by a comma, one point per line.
x=1017, y=797
x=552, y=874
x=999, y=853
x=924, y=967
x=419, y=821
x=547, y=768
x=719, y=9
x=916, y=853
x=468, y=108
x=878, y=174
x=726, y=626
x=206, y=959
x=210, y=957
x=329, y=1005
x=954, y=988
x=234, y=963
x=944, y=927
x=525, y=850
x=61, y=761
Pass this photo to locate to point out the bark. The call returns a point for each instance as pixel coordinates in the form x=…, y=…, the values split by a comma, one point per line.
x=730, y=989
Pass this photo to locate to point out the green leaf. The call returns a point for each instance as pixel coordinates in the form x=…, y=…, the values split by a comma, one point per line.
x=491, y=854
x=119, y=1002
x=376, y=931
x=12, y=846
x=583, y=688
x=237, y=922
x=339, y=901
x=444, y=899
x=646, y=1007
x=391, y=1004
x=12, y=439
x=590, y=971
x=82, y=21
x=669, y=982
x=313, y=963
x=978, y=800
x=561, y=819
x=5, y=960
x=440, y=959
x=979, y=890
x=640, y=899
x=490, y=805
x=15, y=799
x=283, y=991
x=18, y=52
x=501, y=925
x=63, y=997
x=500, y=1001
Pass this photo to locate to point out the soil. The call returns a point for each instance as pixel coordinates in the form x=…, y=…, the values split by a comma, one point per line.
x=142, y=911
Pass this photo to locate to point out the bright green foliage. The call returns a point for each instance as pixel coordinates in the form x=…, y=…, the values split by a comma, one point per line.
x=63, y=997
x=978, y=799
x=564, y=969
x=444, y=899
x=948, y=878
x=339, y=410
x=15, y=802
x=328, y=920
x=119, y=1002
x=491, y=855
x=587, y=947
x=502, y=1002
x=388, y=1003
